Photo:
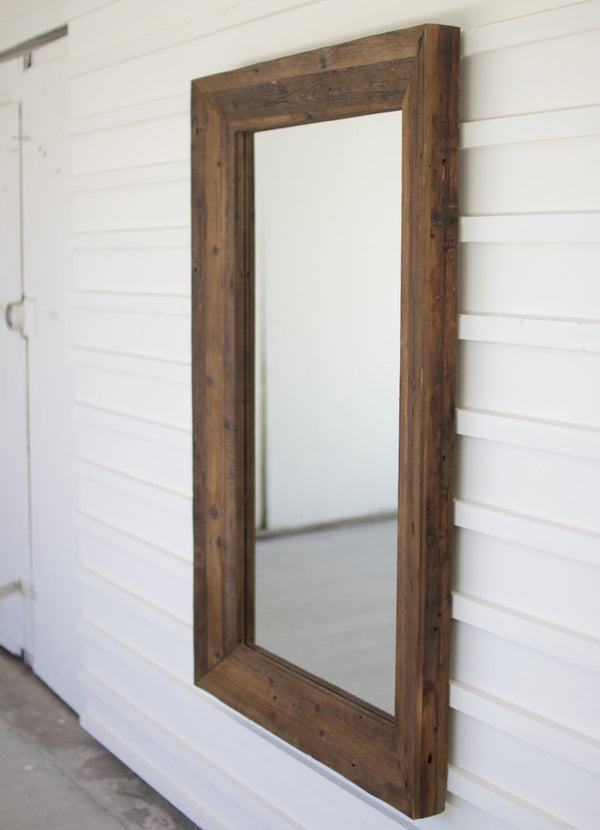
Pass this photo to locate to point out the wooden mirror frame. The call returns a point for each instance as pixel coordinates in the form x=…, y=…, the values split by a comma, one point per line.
x=401, y=759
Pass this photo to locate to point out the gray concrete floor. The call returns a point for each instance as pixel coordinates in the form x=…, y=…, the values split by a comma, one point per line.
x=55, y=776
x=326, y=601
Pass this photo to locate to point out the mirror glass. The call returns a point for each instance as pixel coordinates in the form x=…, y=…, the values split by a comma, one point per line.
x=328, y=230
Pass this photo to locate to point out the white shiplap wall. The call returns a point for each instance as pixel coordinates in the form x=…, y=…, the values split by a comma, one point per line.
x=525, y=725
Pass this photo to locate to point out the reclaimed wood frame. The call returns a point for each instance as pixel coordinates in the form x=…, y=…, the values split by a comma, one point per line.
x=401, y=759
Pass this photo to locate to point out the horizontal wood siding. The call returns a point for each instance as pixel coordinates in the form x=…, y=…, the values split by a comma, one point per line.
x=525, y=726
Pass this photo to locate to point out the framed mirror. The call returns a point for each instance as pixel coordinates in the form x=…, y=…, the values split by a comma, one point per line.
x=324, y=222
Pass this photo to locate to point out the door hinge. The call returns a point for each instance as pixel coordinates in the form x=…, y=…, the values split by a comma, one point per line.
x=11, y=588
x=17, y=587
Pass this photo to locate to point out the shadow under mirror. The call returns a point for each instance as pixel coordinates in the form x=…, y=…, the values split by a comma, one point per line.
x=328, y=219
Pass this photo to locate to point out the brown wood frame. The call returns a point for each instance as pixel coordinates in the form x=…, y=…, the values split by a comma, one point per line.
x=400, y=759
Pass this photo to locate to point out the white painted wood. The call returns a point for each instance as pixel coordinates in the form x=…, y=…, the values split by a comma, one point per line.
x=142, y=450
x=550, y=384
x=152, y=141
x=113, y=28
x=557, y=690
x=129, y=29
x=527, y=726
x=162, y=271
x=542, y=435
x=146, y=111
x=522, y=770
x=121, y=506
x=545, y=280
x=154, y=239
x=164, y=205
x=51, y=646
x=531, y=177
x=535, y=77
x=539, y=126
x=548, y=486
x=564, y=20
x=47, y=278
x=151, y=390
x=131, y=618
x=507, y=574
x=562, y=540
x=14, y=457
x=21, y=20
x=78, y=8
x=127, y=302
x=516, y=811
x=163, y=67
x=540, y=635
x=572, y=335
x=160, y=579
x=164, y=335
x=163, y=172
x=547, y=228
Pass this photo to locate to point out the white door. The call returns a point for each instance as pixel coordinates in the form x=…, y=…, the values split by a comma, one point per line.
x=14, y=485
x=41, y=90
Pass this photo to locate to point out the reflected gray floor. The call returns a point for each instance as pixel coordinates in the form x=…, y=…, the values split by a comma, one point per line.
x=54, y=776
x=326, y=601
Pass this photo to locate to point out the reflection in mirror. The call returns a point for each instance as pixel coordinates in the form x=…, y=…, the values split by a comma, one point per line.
x=328, y=219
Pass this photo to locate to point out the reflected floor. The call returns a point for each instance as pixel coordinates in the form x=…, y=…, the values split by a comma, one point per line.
x=326, y=601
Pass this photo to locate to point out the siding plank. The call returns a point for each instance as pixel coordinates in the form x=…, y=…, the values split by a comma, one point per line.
x=523, y=772
x=562, y=540
x=548, y=228
x=540, y=126
x=135, y=515
x=551, y=280
x=568, y=20
x=507, y=575
x=556, y=690
x=567, y=439
x=162, y=271
x=540, y=635
x=153, y=141
x=154, y=453
x=518, y=812
x=551, y=385
x=548, y=486
x=150, y=390
x=154, y=206
x=161, y=336
x=534, y=77
x=572, y=335
x=550, y=737
x=531, y=177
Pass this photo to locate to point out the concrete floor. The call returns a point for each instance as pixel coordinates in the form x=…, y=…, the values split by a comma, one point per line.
x=54, y=776
x=326, y=601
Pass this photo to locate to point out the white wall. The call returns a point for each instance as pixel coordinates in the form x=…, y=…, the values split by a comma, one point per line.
x=525, y=730
x=21, y=20
x=328, y=213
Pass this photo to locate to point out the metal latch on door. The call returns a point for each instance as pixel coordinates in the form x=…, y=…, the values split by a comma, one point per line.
x=20, y=316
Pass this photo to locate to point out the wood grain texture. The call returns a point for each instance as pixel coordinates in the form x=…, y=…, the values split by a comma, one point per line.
x=427, y=380
x=401, y=760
